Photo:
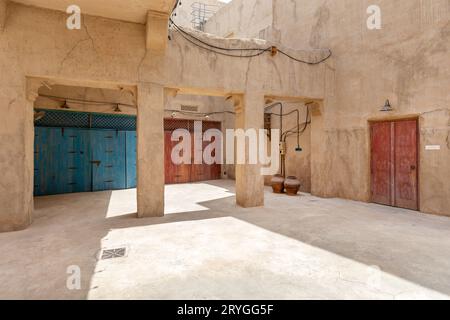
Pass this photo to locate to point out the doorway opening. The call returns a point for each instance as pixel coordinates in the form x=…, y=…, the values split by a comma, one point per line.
x=395, y=163
x=85, y=140
x=188, y=172
x=196, y=115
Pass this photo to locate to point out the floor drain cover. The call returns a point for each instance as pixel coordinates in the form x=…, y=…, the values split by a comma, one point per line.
x=113, y=253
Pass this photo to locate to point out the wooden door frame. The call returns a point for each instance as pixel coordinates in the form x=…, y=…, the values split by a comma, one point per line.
x=418, y=155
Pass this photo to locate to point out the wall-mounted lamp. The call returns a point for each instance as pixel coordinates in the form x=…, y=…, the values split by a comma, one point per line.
x=65, y=105
x=387, y=107
x=117, y=108
x=39, y=115
x=173, y=114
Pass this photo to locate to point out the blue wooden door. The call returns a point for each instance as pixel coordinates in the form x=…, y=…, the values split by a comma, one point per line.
x=108, y=160
x=43, y=170
x=131, y=159
x=61, y=162
x=75, y=161
x=71, y=160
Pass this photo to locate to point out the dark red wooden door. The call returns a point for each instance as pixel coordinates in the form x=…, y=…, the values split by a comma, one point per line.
x=186, y=173
x=381, y=166
x=406, y=164
x=394, y=163
x=174, y=173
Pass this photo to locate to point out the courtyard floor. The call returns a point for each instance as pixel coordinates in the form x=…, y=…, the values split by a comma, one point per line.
x=208, y=248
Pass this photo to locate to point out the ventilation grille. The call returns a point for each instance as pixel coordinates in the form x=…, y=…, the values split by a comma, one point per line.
x=189, y=108
x=113, y=122
x=174, y=124
x=113, y=253
x=63, y=119
x=67, y=119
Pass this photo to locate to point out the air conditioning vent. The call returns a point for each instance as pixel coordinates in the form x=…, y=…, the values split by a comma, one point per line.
x=189, y=108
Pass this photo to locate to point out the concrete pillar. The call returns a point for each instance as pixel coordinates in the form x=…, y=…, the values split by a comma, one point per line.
x=16, y=160
x=3, y=4
x=150, y=151
x=249, y=180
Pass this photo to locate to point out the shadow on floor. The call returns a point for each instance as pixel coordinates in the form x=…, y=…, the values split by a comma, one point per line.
x=69, y=230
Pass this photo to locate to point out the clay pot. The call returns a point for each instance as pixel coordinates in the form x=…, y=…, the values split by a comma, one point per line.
x=277, y=183
x=292, y=185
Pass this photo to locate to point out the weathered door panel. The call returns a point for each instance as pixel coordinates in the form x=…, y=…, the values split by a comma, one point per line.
x=61, y=162
x=406, y=165
x=108, y=160
x=394, y=163
x=192, y=172
x=49, y=160
x=170, y=170
x=183, y=172
x=381, y=165
x=199, y=172
x=75, y=172
x=42, y=156
x=131, y=159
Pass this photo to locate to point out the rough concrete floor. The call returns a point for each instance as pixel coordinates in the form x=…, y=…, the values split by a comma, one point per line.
x=294, y=248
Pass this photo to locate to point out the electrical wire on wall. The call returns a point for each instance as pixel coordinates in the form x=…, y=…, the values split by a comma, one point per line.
x=298, y=129
x=226, y=51
x=177, y=3
x=216, y=49
x=249, y=52
x=198, y=114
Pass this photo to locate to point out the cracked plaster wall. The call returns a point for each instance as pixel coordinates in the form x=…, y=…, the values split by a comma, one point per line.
x=111, y=54
x=407, y=62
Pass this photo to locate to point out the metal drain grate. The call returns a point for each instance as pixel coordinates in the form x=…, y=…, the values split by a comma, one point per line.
x=113, y=253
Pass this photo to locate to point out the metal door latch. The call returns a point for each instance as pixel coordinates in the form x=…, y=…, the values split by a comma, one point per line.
x=97, y=162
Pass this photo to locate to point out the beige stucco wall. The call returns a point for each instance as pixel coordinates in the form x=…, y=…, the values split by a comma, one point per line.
x=111, y=54
x=407, y=61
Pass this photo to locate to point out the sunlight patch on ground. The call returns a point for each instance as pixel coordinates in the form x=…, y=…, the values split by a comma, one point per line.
x=189, y=197
x=178, y=198
x=227, y=258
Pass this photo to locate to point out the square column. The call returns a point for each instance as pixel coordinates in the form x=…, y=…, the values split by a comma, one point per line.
x=249, y=179
x=16, y=160
x=150, y=151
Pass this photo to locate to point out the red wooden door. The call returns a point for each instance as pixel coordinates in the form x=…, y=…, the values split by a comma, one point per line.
x=185, y=173
x=406, y=164
x=204, y=172
x=170, y=170
x=394, y=163
x=174, y=173
x=381, y=166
